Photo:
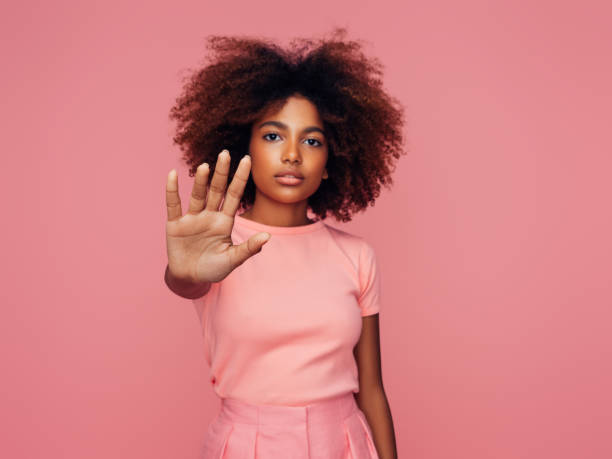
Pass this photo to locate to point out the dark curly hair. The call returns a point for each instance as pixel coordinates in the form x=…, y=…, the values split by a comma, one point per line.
x=246, y=76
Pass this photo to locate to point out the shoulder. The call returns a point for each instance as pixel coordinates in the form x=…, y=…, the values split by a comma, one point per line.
x=358, y=244
x=349, y=243
x=345, y=237
x=355, y=247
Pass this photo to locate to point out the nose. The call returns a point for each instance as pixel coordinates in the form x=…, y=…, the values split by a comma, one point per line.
x=291, y=153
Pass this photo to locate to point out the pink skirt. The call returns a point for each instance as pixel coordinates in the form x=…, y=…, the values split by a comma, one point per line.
x=330, y=429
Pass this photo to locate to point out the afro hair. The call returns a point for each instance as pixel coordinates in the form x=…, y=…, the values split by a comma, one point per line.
x=243, y=77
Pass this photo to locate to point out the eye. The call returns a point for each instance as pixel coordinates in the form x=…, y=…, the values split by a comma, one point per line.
x=270, y=133
x=315, y=145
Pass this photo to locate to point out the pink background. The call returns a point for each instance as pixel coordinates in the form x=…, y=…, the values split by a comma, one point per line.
x=494, y=243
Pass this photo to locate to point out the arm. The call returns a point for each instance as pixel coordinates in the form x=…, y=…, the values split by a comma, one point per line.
x=184, y=288
x=371, y=397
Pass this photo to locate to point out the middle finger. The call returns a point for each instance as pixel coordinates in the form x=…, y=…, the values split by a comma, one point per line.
x=219, y=181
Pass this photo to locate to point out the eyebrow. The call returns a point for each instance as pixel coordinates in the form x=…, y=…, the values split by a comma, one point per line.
x=280, y=125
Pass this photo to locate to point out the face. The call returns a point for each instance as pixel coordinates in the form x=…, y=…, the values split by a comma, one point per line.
x=291, y=139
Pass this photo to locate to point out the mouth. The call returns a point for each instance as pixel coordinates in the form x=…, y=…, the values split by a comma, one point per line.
x=289, y=179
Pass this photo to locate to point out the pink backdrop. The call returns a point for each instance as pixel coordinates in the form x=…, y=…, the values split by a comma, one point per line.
x=494, y=243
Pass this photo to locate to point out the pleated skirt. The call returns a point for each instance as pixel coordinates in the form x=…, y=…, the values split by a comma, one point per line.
x=330, y=429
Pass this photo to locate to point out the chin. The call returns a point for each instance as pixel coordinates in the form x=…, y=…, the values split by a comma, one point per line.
x=287, y=196
x=288, y=199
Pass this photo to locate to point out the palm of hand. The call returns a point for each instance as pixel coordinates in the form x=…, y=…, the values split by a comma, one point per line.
x=199, y=243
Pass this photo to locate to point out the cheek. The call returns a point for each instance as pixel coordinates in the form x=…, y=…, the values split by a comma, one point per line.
x=318, y=166
x=262, y=169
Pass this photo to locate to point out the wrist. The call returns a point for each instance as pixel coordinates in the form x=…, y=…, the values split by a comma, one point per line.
x=185, y=287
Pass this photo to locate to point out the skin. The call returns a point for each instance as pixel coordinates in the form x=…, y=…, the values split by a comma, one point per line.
x=371, y=398
x=292, y=137
x=271, y=148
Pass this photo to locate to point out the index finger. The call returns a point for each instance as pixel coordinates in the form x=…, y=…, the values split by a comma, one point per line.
x=236, y=188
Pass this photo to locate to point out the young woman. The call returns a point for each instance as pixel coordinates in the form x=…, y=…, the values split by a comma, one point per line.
x=291, y=330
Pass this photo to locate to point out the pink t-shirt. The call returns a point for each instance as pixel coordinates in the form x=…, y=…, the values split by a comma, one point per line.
x=280, y=329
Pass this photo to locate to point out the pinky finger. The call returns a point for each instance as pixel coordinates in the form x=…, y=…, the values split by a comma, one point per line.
x=173, y=200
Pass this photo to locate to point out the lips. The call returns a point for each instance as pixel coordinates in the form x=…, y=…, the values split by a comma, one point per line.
x=290, y=173
x=288, y=180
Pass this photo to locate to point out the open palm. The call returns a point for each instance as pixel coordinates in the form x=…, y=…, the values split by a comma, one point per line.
x=199, y=243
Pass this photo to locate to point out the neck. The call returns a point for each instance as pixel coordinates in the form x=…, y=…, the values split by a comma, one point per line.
x=275, y=213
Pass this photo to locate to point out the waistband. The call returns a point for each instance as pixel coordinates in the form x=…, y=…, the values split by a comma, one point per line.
x=330, y=410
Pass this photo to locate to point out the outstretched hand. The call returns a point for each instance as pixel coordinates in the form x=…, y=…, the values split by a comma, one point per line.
x=199, y=243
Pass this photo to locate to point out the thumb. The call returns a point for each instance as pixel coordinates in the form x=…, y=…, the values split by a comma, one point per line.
x=250, y=247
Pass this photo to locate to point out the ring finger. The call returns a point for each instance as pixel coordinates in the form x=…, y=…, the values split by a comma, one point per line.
x=198, y=193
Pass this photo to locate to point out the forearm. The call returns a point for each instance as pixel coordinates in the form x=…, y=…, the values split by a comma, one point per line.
x=185, y=289
x=374, y=404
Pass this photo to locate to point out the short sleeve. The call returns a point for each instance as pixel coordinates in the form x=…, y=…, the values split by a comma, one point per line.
x=369, y=281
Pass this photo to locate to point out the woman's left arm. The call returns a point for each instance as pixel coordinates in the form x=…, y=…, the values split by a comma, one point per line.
x=371, y=397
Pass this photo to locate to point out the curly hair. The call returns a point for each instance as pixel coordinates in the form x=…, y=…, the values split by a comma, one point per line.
x=246, y=76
